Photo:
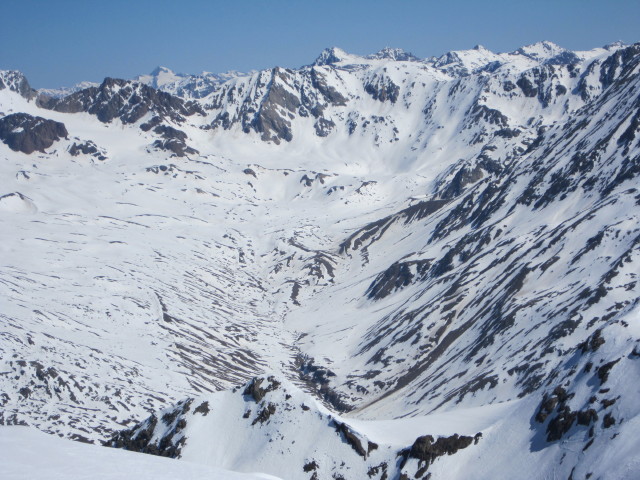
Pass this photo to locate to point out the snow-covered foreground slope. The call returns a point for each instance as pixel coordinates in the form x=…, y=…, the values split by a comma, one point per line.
x=424, y=247
x=272, y=426
x=26, y=453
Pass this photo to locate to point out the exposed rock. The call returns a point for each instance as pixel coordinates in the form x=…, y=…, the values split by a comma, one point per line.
x=174, y=140
x=603, y=370
x=587, y=417
x=426, y=450
x=527, y=87
x=560, y=424
x=17, y=82
x=268, y=120
x=203, y=408
x=25, y=133
x=396, y=54
x=382, y=88
x=324, y=127
x=374, y=230
x=351, y=439
x=87, y=148
x=564, y=419
x=593, y=343
x=330, y=94
x=142, y=438
x=256, y=392
x=310, y=466
x=128, y=101
x=608, y=421
x=264, y=414
x=329, y=56
x=398, y=276
x=318, y=379
x=378, y=469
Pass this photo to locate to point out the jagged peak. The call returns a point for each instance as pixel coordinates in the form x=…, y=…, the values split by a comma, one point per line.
x=397, y=54
x=331, y=55
x=615, y=45
x=16, y=81
x=541, y=50
x=12, y=73
x=468, y=60
x=110, y=82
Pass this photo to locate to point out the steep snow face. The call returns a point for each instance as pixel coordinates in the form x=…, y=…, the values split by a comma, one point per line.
x=400, y=239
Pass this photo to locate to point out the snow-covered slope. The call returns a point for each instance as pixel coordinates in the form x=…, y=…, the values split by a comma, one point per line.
x=269, y=420
x=271, y=426
x=27, y=453
x=405, y=241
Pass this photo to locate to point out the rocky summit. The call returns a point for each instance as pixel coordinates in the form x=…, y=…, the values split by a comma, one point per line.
x=378, y=267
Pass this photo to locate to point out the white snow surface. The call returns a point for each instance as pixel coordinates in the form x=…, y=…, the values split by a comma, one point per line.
x=26, y=453
x=419, y=247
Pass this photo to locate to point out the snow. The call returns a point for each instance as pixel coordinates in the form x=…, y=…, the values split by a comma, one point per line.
x=160, y=77
x=135, y=282
x=26, y=453
x=463, y=421
x=16, y=203
x=64, y=91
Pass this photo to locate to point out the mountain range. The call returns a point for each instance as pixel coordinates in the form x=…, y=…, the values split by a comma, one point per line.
x=379, y=266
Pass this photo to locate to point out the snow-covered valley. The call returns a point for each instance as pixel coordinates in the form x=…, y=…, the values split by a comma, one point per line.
x=404, y=248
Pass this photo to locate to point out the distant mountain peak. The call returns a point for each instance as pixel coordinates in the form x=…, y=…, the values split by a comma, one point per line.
x=330, y=55
x=541, y=50
x=333, y=55
x=397, y=54
x=466, y=61
x=159, y=77
x=160, y=70
x=615, y=45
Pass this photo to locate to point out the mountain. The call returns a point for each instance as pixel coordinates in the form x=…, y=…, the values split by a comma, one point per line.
x=16, y=82
x=299, y=264
x=183, y=85
x=269, y=417
x=65, y=91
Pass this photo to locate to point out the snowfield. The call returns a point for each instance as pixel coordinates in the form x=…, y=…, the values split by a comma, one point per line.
x=368, y=267
x=28, y=453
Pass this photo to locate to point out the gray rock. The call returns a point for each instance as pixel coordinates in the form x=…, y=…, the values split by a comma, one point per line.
x=25, y=133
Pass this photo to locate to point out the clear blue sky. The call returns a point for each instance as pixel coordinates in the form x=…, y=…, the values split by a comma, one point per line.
x=59, y=43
